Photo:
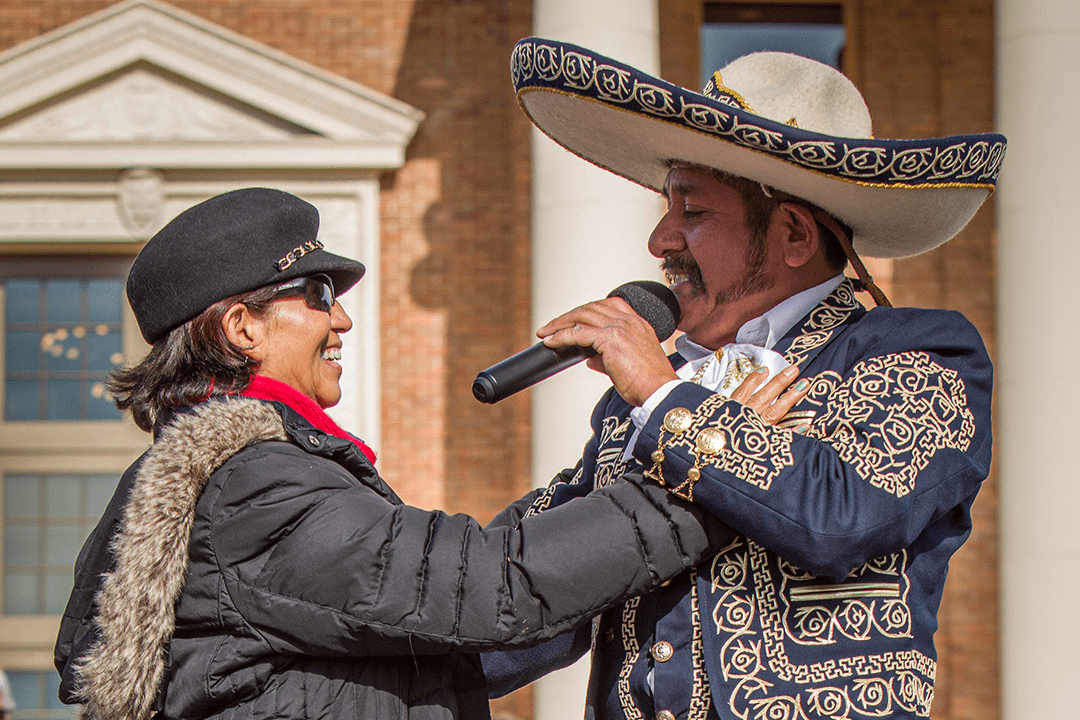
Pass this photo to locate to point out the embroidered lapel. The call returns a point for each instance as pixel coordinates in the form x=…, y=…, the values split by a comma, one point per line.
x=806, y=340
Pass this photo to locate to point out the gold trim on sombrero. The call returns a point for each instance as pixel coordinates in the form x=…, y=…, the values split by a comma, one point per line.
x=717, y=87
x=765, y=153
x=828, y=142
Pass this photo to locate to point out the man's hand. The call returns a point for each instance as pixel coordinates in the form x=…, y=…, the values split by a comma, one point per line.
x=774, y=399
x=626, y=345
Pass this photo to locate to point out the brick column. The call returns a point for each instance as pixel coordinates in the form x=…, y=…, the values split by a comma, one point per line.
x=589, y=234
x=1038, y=44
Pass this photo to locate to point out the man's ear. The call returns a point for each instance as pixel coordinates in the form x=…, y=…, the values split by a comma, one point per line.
x=804, y=235
x=245, y=330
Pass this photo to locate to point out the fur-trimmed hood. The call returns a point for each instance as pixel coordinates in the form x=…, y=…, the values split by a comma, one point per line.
x=120, y=675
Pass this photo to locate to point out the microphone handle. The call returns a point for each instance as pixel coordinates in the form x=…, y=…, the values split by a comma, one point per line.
x=525, y=369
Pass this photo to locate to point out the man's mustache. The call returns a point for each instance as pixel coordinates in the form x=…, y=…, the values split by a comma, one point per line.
x=684, y=265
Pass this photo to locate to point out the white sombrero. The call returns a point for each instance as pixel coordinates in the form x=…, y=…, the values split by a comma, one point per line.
x=783, y=120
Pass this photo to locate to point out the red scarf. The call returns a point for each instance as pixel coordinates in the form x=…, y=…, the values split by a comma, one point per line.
x=264, y=388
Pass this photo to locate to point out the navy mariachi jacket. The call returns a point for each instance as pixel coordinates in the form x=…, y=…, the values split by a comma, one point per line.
x=825, y=604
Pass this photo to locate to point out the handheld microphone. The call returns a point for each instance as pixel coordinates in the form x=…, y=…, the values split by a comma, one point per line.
x=653, y=301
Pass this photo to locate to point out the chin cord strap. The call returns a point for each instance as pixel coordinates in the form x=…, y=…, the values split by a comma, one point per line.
x=856, y=264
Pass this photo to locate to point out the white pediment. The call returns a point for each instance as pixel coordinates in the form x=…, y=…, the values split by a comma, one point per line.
x=144, y=84
x=141, y=105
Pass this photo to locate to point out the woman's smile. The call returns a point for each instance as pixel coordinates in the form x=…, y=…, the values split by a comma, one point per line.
x=303, y=348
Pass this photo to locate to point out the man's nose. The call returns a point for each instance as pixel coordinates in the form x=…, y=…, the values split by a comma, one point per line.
x=666, y=238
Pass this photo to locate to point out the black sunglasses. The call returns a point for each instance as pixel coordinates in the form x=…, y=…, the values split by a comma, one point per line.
x=318, y=291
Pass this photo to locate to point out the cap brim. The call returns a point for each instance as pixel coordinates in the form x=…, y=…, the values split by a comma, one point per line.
x=343, y=271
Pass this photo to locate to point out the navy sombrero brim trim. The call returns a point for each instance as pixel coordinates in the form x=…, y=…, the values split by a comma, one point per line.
x=901, y=197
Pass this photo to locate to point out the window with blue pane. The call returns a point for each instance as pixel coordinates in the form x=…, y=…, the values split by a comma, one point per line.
x=62, y=338
x=46, y=519
x=35, y=694
x=734, y=29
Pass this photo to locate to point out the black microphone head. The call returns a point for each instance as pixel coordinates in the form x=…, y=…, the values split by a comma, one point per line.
x=654, y=302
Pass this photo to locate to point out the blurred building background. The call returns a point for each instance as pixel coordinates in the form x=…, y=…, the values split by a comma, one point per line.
x=397, y=119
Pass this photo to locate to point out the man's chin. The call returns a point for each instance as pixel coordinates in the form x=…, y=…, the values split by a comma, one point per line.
x=694, y=308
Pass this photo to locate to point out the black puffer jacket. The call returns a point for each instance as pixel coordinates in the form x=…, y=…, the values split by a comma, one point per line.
x=309, y=590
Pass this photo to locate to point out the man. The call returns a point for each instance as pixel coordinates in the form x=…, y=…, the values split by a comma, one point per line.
x=848, y=506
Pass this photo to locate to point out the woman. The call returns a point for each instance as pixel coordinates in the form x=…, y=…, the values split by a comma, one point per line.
x=253, y=563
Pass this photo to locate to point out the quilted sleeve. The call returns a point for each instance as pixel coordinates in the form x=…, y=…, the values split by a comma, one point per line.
x=318, y=565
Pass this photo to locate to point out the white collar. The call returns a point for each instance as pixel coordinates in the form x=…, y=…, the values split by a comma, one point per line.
x=767, y=329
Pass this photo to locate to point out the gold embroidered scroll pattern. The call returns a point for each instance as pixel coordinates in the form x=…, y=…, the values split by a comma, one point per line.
x=609, y=460
x=891, y=415
x=609, y=463
x=825, y=318
x=872, y=601
x=751, y=450
x=700, y=694
x=748, y=616
x=631, y=652
x=734, y=614
x=716, y=89
x=542, y=502
x=754, y=452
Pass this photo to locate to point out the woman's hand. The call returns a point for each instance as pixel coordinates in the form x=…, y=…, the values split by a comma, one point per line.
x=772, y=400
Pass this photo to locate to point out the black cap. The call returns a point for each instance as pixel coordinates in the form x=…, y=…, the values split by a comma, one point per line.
x=230, y=244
